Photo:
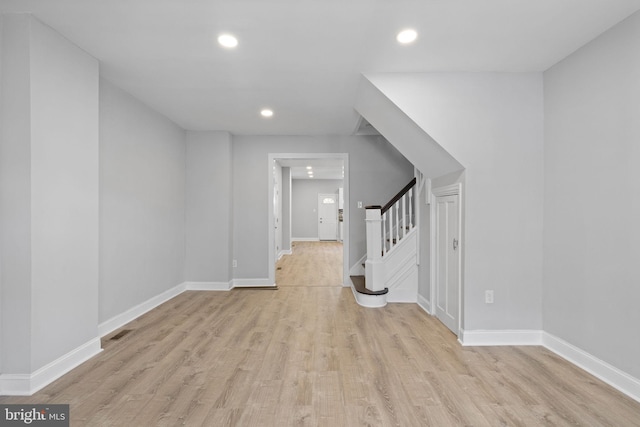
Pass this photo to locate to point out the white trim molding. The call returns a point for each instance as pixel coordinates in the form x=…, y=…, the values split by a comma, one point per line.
x=483, y=337
x=305, y=239
x=284, y=252
x=133, y=313
x=208, y=286
x=424, y=304
x=251, y=283
x=611, y=375
x=28, y=384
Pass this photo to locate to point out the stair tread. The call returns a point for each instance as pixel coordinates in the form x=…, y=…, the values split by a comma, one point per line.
x=358, y=283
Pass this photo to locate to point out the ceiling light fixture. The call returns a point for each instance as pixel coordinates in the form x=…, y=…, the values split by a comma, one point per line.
x=407, y=36
x=266, y=112
x=228, y=41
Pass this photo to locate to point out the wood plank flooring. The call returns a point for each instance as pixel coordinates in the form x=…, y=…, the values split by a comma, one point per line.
x=310, y=356
x=311, y=264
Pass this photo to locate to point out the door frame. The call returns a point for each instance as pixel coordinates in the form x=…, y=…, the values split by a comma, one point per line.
x=335, y=196
x=448, y=190
x=346, y=281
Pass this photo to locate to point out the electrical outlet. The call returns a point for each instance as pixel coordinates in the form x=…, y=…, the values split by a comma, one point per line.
x=488, y=297
x=359, y=205
x=234, y=263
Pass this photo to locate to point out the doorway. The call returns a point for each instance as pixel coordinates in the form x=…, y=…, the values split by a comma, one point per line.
x=327, y=217
x=291, y=160
x=446, y=228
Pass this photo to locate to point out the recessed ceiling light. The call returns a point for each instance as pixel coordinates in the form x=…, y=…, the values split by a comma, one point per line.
x=309, y=168
x=266, y=112
x=407, y=36
x=228, y=41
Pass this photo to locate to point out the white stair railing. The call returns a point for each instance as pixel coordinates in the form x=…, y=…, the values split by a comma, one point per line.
x=386, y=226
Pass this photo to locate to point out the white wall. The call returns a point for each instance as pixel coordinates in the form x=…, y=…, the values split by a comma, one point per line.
x=15, y=195
x=304, y=205
x=2, y=243
x=142, y=202
x=64, y=195
x=377, y=172
x=592, y=198
x=49, y=197
x=492, y=124
x=209, y=205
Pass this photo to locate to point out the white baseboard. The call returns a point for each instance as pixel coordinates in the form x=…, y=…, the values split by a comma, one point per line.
x=424, y=304
x=208, y=286
x=500, y=337
x=27, y=384
x=250, y=283
x=122, y=319
x=305, y=239
x=283, y=253
x=609, y=374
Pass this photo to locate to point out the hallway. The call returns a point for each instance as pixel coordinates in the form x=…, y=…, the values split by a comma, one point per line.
x=311, y=264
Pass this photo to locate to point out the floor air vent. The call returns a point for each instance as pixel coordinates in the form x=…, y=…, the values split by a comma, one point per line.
x=120, y=334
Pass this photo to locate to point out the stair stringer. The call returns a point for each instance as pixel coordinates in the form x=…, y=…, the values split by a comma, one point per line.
x=401, y=269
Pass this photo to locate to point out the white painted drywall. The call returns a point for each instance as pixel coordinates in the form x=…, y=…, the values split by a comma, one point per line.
x=493, y=125
x=15, y=195
x=49, y=163
x=64, y=195
x=378, y=171
x=2, y=245
x=304, y=205
x=208, y=207
x=592, y=198
x=142, y=202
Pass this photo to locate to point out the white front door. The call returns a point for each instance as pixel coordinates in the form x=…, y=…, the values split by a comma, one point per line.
x=448, y=260
x=327, y=216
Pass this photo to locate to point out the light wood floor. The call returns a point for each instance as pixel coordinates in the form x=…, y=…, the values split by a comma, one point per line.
x=311, y=264
x=310, y=356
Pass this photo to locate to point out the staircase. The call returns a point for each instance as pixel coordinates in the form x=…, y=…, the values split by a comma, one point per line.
x=391, y=266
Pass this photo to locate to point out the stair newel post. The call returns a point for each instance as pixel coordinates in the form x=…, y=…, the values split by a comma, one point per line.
x=373, y=264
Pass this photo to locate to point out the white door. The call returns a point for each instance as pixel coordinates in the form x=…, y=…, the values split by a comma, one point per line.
x=327, y=216
x=448, y=260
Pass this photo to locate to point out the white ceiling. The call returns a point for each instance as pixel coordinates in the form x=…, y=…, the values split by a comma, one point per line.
x=304, y=58
x=325, y=168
